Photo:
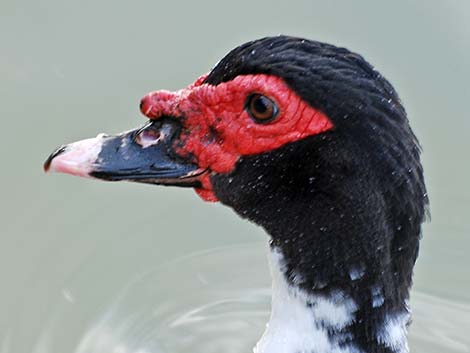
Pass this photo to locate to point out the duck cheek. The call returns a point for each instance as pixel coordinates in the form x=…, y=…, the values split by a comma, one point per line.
x=206, y=191
x=215, y=157
x=217, y=161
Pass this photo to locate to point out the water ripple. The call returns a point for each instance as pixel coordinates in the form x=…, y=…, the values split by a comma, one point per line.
x=207, y=310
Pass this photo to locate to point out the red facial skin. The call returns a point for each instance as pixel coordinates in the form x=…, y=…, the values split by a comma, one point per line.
x=218, y=130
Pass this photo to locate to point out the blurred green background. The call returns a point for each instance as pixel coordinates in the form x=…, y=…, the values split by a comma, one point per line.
x=71, y=69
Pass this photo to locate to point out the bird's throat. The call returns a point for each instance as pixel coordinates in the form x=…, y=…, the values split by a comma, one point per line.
x=307, y=322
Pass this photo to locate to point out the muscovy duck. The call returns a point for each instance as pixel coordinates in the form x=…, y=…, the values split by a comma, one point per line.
x=308, y=141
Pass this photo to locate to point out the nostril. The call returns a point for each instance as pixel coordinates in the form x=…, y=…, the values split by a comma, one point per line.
x=148, y=137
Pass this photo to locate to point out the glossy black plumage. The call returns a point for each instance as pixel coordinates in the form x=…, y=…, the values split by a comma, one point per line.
x=350, y=198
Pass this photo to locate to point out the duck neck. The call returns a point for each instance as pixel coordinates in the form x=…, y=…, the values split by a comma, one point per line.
x=329, y=319
x=345, y=233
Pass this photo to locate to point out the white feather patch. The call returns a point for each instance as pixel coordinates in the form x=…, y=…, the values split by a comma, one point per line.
x=299, y=322
x=393, y=332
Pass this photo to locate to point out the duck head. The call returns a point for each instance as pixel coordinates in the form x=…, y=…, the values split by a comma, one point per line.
x=310, y=142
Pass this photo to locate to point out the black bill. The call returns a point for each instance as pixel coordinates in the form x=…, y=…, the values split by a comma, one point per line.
x=143, y=155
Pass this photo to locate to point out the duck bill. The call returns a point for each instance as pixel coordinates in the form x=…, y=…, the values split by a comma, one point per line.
x=144, y=155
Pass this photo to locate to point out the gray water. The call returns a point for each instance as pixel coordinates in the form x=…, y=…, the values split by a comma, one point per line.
x=96, y=267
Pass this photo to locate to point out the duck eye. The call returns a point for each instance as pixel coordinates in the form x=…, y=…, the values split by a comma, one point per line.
x=261, y=108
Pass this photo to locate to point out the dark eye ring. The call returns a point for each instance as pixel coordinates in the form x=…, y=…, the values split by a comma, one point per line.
x=261, y=108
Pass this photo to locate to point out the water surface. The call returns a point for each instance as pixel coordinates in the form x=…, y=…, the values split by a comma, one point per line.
x=94, y=267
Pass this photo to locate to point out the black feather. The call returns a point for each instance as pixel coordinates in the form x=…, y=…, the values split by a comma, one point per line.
x=351, y=197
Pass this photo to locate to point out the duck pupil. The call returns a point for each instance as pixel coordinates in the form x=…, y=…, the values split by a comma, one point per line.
x=261, y=105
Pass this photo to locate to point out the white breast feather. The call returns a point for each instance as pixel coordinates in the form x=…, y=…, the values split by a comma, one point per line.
x=296, y=327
